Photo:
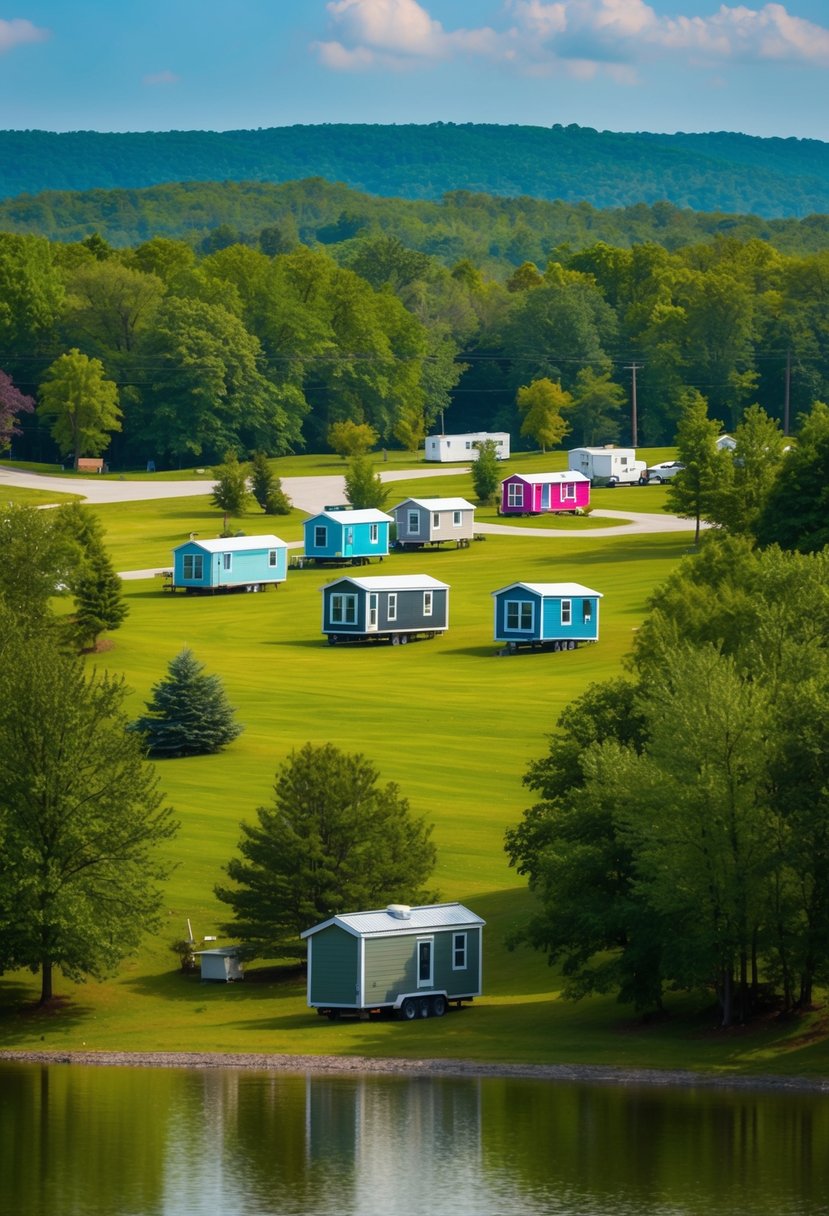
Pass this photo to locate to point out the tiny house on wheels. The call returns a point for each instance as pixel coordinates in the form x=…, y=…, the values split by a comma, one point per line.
x=347, y=536
x=554, y=616
x=538, y=493
x=394, y=608
x=432, y=521
x=608, y=466
x=411, y=962
x=232, y=563
x=449, y=448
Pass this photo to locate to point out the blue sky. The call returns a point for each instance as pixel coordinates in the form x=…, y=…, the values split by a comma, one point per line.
x=621, y=65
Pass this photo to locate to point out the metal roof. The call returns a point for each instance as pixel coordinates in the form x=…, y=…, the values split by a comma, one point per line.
x=382, y=923
x=233, y=544
x=390, y=582
x=553, y=589
x=438, y=504
x=369, y=515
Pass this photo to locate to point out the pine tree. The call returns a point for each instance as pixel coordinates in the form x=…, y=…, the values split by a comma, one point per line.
x=188, y=712
x=99, y=602
x=230, y=492
x=266, y=487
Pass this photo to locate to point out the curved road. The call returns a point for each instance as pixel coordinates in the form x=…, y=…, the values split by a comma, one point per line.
x=312, y=494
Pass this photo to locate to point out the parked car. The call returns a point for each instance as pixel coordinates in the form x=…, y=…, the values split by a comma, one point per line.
x=658, y=473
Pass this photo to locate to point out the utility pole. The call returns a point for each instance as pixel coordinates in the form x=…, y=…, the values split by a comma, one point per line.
x=634, y=422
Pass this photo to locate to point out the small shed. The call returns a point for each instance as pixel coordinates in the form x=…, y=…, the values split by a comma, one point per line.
x=538, y=493
x=433, y=521
x=230, y=563
x=557, y=616
x=347, y=536
x=221, y=963
x=412, y=961
x=726, y=443
x=449, y=448
x=394, y=608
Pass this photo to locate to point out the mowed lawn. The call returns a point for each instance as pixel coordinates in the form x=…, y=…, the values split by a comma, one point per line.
x=449, y=720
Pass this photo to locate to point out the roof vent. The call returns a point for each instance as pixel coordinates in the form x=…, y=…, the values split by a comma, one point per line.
x=399, y=911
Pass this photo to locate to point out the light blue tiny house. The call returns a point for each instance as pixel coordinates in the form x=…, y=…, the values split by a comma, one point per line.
x=557, y=616
x=408, y=961
x=232, y=563
x=347, y=536
x=392, y=608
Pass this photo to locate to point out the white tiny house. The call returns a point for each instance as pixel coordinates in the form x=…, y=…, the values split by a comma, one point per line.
x=448, y=448
x=609, y=466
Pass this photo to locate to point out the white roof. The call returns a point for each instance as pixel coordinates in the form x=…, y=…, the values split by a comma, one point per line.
x=390, y=582
x=221, y=951
x=611, y=451
x=543, y=478
x=382, y=922
x=369, y=515
x=438, y=504
x=473, y=435
x=233, y=544
x=566, y=590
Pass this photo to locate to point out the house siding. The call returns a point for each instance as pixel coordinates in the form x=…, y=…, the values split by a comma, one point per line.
x=334, y=972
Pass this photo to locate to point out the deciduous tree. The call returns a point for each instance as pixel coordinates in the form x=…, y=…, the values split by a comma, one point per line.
x=363, y=487
x=12, y=403
x=82, y=403
x=486, y=472
x=541, y=404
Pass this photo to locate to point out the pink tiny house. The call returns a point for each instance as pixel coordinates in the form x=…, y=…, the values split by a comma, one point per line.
x=538, y=493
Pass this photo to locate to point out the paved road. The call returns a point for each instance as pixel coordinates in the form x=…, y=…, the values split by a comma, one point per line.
x=314, y=493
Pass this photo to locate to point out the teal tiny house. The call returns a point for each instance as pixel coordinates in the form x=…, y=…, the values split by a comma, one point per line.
x=408, y=961
x=232, y=563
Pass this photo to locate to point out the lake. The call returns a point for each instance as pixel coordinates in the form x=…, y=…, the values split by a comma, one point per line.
x=87, y=1141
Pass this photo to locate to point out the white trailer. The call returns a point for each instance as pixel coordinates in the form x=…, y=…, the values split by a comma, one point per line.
x=448, y=448
x=609, y=466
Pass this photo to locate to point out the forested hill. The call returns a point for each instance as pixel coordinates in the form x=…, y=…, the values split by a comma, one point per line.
x=710, y=172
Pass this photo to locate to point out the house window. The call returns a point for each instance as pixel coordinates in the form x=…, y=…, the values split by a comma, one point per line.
x=194, y=566
x=344, y=609
x=456, y=519
x=227, y=561
x=427, y=603
x=519, y=615
x=272, y=558
x=568, y=491
x=587, y=611
x=515, y=494
x=414, y=522
x=373, y=533
x=320, y=536
x=424, y=962
x=566, y=612
x=435, y=519
x=391, y=606
x=459, y=952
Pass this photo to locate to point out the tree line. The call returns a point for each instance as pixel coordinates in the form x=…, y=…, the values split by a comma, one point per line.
x=187, y=355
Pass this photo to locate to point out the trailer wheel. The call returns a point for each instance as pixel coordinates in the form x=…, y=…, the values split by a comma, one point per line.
x=439, y=1005
x=408, y=1010
x=332, y=639
x=423, y=1007
x=395, y=640
x=404, y=638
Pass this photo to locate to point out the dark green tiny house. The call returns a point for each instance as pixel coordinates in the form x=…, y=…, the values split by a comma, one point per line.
x=412, y=961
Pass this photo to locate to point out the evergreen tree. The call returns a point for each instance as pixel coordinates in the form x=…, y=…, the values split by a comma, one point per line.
x=99, y=601
x=486, y=474
x=230, y=491
x=796, y=511
x=363, y=487
x=694, y=492
x=188, y=712
x=266, y=487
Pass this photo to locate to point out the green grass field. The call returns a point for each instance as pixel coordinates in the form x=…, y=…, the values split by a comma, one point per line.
x=451, y=722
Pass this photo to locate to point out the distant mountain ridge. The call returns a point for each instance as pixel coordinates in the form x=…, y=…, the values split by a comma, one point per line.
x=718, y=171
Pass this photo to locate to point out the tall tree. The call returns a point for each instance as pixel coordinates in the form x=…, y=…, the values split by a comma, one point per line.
x=596, y=409
x=97, y=589
x=82, y=403
x=754, y=468
x=486, y=471
x=796, y=511
x=12, y=403
x=541, y=404
x=230, y=490
x=332, y=840
x=693, y=492
x=363, y=487
x=188, y=713
x=39, y=561
x=81, y=817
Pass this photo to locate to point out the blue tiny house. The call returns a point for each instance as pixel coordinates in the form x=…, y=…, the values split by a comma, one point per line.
x=232, y=563
x=553, y=615
x=433, y=521
x=408, y=961
x=393, y=608
x=347, y=536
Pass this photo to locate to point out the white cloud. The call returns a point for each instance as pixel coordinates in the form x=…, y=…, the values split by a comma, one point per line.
x=579, y=37
x=165, y=77
x=17, y=31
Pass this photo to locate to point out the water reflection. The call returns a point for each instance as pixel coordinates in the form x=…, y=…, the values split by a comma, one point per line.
x=77, y=1141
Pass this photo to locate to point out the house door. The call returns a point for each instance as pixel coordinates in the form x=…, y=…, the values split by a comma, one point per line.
x=371, y=622
x=545, y=497
x=425, y=962
x=348, y=542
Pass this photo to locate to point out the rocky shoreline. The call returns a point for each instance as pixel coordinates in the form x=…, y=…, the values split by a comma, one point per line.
x=593, y=1074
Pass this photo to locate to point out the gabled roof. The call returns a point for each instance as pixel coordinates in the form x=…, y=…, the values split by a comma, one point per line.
x=383, y=922
x=369, y=515
x=543, y=478
x=565, y=590
x=390, y=582
x=235, y=544
x=437, y=504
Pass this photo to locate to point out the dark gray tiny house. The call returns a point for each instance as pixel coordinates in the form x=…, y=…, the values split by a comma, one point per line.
x=393, y=608
x=409, y=961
